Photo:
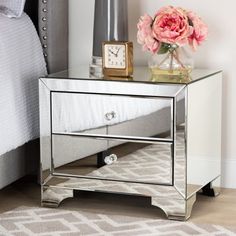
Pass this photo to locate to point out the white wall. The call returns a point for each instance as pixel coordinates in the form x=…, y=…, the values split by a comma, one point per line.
x=218, y=52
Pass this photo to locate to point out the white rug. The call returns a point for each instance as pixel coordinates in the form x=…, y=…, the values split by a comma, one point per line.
x=27, y=221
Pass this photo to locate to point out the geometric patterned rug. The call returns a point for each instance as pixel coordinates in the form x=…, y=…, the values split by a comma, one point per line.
x=150, y=164
x=29, y=221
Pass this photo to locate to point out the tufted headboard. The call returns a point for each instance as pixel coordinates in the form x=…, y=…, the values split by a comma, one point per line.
x=51, y=20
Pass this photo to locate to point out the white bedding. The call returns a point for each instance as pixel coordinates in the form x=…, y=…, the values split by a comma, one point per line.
x=21, y=64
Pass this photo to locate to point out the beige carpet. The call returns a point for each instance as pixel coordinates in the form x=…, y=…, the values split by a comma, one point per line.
x=58, y=222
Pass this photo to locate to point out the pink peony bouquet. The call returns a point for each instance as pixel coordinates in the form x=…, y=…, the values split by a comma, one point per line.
x=171, y=26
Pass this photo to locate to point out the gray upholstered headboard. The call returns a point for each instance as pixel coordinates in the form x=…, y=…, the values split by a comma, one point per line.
x=51, y=19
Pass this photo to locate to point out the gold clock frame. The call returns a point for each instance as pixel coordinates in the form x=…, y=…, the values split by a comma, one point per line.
x=128, y=70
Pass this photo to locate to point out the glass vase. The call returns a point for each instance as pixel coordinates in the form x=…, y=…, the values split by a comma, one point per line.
x=175, y=63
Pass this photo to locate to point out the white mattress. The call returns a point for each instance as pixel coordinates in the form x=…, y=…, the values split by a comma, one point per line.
x=21, y=63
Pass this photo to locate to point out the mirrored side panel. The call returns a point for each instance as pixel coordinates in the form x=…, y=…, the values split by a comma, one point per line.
x=204, y=132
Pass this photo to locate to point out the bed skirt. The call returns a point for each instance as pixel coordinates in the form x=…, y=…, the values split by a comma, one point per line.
x=19, y=162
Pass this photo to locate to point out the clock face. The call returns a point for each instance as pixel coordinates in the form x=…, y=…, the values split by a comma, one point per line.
x=115, y=56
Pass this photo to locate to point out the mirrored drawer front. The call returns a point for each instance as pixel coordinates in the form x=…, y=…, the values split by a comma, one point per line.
x=126, y=116
x=112, y=160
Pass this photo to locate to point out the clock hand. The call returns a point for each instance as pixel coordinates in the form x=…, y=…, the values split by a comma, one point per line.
x=112, y=52
x=118, y=51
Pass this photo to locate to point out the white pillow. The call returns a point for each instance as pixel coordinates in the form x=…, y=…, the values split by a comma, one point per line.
x=12, y=8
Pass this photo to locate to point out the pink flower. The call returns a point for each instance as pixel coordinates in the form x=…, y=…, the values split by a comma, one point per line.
x=171, y=25
x=145, y=25
x=151, y=44
x=200, y=30
x=144, y=35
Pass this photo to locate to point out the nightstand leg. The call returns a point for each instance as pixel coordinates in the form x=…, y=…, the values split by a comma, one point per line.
x=212, y=189
x=52, y=197
x=175, y=209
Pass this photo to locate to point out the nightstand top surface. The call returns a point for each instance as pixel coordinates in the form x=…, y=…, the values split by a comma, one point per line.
x=78, y=81
x=141, y=75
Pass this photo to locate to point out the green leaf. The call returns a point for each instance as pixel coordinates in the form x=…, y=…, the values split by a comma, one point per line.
x=165, y=47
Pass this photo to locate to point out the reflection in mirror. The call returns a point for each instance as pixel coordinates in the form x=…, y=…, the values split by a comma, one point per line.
x=126, y=161
x=110, y=115
x=180, y=159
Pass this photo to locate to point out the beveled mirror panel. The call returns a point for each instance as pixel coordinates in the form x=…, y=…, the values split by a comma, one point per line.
x=120, y=116
x=112, y=160
x=180, y=159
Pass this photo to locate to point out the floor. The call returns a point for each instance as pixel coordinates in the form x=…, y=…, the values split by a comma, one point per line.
x=220, y=210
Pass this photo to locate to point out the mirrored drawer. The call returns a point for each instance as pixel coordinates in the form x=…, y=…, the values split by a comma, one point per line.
x=109, y=160
x=131, y=117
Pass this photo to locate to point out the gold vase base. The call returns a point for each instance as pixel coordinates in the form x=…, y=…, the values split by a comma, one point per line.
x=171, y=76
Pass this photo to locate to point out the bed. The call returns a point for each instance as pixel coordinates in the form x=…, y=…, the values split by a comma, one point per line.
x=20, y=47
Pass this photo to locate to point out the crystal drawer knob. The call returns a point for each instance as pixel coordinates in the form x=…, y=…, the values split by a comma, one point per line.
x=110, y=115
x=110, y=159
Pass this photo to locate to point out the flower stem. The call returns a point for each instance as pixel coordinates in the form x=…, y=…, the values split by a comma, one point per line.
x=176, y=56
x=171, y=60
x=164, y=60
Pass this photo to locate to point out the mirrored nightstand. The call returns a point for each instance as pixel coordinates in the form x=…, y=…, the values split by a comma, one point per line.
x=136, y=136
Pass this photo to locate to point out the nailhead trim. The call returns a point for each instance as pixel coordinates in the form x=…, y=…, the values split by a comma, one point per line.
x=44, y=28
